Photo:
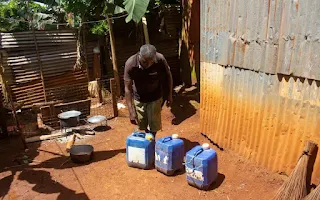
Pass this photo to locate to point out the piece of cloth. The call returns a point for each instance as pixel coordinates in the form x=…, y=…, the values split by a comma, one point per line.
x=149, y=115
x=148, y=84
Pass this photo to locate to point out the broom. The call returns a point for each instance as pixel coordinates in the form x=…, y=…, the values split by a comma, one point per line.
x=295, y=187
x=314, y=195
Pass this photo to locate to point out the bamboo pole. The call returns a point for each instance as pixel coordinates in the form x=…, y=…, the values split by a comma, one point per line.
x=114, y=57
x=3, y=122
x=145, y=30
x=86, y=55
x=40, y=64
x=114, y=98
x=15, y=116
x=99, y=90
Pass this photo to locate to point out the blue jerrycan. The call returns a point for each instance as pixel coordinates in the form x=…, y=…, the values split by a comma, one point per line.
x=169, y=154
x=140, y=150
x=201, y=166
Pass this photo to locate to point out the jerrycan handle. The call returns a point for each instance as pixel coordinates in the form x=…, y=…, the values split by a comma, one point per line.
x=198, y=152
x=167, y=139
x=192, y=159
x=139, y=134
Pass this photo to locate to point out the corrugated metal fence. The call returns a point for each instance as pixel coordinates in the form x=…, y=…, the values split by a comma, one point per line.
x=260, y=107
x=273, y=36
x=37, y=65
x=169, y=47
x=266, y=118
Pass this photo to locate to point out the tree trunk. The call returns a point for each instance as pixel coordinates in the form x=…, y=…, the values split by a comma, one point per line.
x=114, y=57
x=80, y=63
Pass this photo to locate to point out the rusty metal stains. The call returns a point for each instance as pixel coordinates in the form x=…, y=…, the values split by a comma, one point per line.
x=264, y=117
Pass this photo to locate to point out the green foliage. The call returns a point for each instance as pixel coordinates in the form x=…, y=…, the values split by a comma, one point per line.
x=135, y=9
x=169, y=1
x=100, y=28
x=79, y=8
x=18, y=15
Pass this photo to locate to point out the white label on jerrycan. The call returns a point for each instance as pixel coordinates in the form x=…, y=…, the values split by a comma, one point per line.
x=157, y=157
x=195, y=174
x=165, y=160
x=136, y=155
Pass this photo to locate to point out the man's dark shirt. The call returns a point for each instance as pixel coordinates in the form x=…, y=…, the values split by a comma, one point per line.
x=148, y=84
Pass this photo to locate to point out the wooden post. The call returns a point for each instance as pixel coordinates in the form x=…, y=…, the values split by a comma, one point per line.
x=114, y=98
x=96, y=63
x=3, y=119
x=145, y=30
x=86, y=55
x=15, y=116
x=2, y=111
x=99, y=90
x=114, y=57
x=40, y=64
x=9, y=92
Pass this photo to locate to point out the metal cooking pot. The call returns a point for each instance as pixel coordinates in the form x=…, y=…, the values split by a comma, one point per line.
x=81, y=153
x=69, y=118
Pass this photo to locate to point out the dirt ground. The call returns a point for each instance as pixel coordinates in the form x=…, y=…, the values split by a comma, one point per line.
x=50, y=174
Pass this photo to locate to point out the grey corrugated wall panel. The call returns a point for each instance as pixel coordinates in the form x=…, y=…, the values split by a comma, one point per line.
x=271, y=36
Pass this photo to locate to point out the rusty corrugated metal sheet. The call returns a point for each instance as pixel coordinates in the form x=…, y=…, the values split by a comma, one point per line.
x=23, y=65
x=172, y=16
x=44, y=38
x=267, y=118
x=72, y=86
x=125, y=49
x=29, y=93
x=89, y=52
x=167, y=42
x=272, y=36
x=57, y=52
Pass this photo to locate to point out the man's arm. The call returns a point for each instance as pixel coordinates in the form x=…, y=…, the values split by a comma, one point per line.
x=170, y=81
x=128, y=96
x=128, y=91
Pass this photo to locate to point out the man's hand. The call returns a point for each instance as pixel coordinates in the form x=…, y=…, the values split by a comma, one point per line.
x=133, y=119
x=134, y=122
x=128, y=94
x=169, y=101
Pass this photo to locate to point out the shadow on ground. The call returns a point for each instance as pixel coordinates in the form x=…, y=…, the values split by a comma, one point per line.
x=13, y=158
x=220, y=179
x=46, y=185
x=64, y=162
x=102, y=128
x=14, y=163
x=188, y=145
x=5, y=184
x=216, y=184
x=182, y=107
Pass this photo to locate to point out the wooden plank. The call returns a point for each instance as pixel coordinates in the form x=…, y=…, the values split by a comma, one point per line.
x=114, y=97
x=46, y=137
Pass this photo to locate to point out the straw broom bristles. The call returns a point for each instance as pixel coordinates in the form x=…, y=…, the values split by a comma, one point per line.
x=295, y=187
x=314, y=195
